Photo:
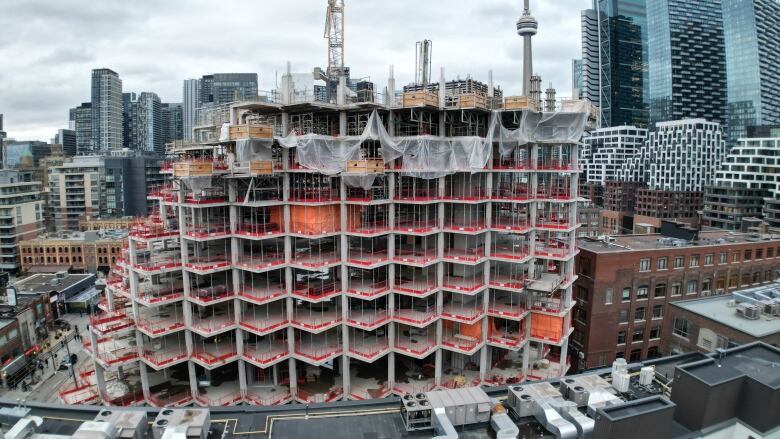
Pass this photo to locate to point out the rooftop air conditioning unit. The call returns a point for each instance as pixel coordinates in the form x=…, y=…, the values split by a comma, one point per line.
x=748, y=311
x=771, y=308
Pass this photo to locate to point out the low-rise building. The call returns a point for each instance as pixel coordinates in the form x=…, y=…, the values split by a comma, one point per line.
x=97, y=223
x=625, y=283
x=720, y=322
x=74, y=251
x=62, y=290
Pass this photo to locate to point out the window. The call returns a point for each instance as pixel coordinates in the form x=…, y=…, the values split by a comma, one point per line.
x=681, y=327
x=639, y=334
x=619, y=355
x=658, y=311
x=707, y=260
x=732, y=281
x=623, y=316
x=636, y=355
x=679, y=261
x=770, y=252
x=626, y=295
x=641, y=292
x=655, y=332
x=644, y=264
x=748, y=255
x=652, y=352
x=608, y=297
x=735, y=257
x=621, y=339
x=759, y=253
x=706, y=285
x=582, y=294
x=663, y=263
x=639, y=314
x=722, y=258
x=676, y=290
x=692, y=285
x=660, y=290
x=694, y=261
x=757, y=277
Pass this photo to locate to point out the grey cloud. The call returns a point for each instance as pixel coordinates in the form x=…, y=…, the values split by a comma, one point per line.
x=49, y=47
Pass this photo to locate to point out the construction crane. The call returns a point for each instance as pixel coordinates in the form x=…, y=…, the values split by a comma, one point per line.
x=334, y=32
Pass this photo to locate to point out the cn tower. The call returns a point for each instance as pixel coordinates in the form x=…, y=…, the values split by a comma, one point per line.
x=526, y=28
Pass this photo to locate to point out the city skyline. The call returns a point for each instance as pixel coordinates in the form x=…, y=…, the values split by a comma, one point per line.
x=139, y=38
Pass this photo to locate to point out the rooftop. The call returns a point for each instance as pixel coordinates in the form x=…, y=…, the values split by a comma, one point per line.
x=656, y=241
x=45, y=283
x=757, y=362
x=722, y=309
x=88, y=236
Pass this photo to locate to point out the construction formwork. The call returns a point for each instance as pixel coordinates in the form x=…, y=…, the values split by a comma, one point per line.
x=269, y=277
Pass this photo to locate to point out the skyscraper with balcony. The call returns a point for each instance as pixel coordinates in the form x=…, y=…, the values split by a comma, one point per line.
x=686, y=63
x=144, y=129
x=751, y=30
x=172, y=121
x=106, y=110
x=222, y=88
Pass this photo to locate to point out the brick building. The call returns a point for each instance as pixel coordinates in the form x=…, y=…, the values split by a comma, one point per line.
x=720, y=322
x=625, y=284
x=74, y=251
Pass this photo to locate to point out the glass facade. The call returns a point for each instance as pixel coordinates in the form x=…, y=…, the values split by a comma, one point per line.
x=752, y=36
x=687, y=68
x=623, y=36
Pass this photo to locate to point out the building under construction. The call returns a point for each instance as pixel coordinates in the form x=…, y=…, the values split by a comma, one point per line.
x=312, y=249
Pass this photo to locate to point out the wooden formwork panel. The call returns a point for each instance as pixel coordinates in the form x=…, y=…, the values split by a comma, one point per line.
x=368, y=166
x=261, y=167
x=473, y=100
x=420, y=98
x=518, y=103
x=190, y=169
x=251, y=131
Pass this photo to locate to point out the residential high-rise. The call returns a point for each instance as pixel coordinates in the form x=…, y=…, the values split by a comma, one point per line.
x=106, y=110
x=22, y=215
x=608, y=151
x=172, y=122
x=591, y=65
x=81, y=123
x=751, y=30
x=67, y=141
x=76, y=189
x=686, y=59
x=223, y=88
x=2, y=140
x=128, y=178
x=191, y=102
x=615, y=49
x=144, y=129
x=576, y=78
x=680, y=155
x=746, y=185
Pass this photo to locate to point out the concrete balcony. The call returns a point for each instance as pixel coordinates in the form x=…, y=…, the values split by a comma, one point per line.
x=210, y=295
x=265, y=351
x=213, y=355
x=113, y=322
x=160, y=357
x=367, y=288
x=369, y=347
x=263, y=319
x=162, y=294
x=262, y=295
x=318, y=349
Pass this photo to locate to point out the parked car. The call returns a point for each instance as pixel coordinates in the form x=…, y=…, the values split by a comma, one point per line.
x=62, y=325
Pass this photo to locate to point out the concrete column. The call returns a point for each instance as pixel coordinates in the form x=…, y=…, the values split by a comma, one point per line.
x=293, y=377
x=101, y=381
x=390, y=92
x=391, y=370
x=564, y=354
x=484, y=354
x=144, y=381
x=437, y=373
x=345, y=378
x=193, y=378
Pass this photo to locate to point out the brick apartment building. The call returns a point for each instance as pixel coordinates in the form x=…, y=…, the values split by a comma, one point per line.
x=624, y=286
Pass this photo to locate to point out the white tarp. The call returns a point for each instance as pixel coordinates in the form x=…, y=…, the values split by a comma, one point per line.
x=423, y=156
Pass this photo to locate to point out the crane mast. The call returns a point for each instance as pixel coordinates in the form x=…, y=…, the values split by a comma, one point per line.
x=334, y=32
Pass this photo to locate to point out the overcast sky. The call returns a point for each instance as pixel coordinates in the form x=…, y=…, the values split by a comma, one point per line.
x=49, y=47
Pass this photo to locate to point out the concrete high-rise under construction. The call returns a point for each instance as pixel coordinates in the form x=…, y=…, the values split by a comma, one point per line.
x=315, y=251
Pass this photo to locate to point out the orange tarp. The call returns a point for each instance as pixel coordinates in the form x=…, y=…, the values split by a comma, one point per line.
x=546, y=327
x=315, y=219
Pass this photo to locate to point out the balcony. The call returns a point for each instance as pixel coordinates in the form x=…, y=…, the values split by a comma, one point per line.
x=416, y=219
x=553, y=248
x=378, y=192
x=258, y=230
x=414, y=342
x=367, y=220
x=313, y=188
x=208, y=262
x=416, y=256
x=463, y=278
x=159, y=356
x=506, y=304
x=150, y=230
x=507, y=275
x=156, y=265
x=217, y=229
x=314, y=291
x=463, y=338
x=471, y=251
x=205, y=197
x=367, y=252
x=418, y=312
x=160, y=294
x=316, y=317
x=465, y=309
x=212, y=320
x=334, y=394
x=263, y=319
x=260, y=295
x=165, y=398
x=204, y=295
x=105, y=323
x=364, y=286
x=318, y=349
x=506, y=368
x=265, y=351
x=214, y=354
x=513, y=249
x=161, y=323
x=410, y=189
x=519, y=159
x=505, y=333
x=265, y=396
x=115, y=351
x=367, y=315
x=367, y=346
x=510, y=217
x=511, y=191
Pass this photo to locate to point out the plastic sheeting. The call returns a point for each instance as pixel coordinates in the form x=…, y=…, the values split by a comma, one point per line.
x=425, y=157
x=197, y=184
x=248, y=150
x=224, y=132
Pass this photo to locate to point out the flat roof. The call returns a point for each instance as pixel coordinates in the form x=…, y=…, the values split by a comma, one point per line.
x=756, y=361
x=42, y=283
x=716, y=308
x=656, y=241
